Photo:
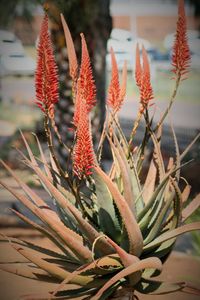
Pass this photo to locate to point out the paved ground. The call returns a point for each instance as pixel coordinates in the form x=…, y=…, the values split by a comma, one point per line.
x=179, y=267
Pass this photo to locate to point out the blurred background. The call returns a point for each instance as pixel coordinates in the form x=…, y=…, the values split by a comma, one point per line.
x=115, y=23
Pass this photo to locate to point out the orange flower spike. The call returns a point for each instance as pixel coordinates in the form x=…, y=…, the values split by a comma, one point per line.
x=122, y=93
x=83, y=156
x=46, y=76
x=138, y=68
x=86, y=81
x=114, y=88
x=181, y=51
x=73, y=64
x=146, y=91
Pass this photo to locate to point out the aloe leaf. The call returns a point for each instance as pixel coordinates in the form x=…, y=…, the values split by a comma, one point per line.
x=126, y=178
x=89, y=230
x=41, y=250
x=151, y=262
x=44, y=161
x=172, y=234
x=69, y=237
x=130, y=223
x=157, y=224
x=186, y=193
x=102, y=263
x=35, y=198
x=32, y=158
x=137, y=202
x=73, y=64
x=150, y=181
x=27, y=271
x=189, y=147
x=156, y=287
x=161, y=185
x=178, y=160
x=177, y=204
x=191, y=208
x=158, y=156
x=107, y=215
x=44, y=231
x=53, y=270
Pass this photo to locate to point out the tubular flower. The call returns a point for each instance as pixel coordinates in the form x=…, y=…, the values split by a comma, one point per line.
x=138, y=68
x=114, y=88
x=181, y=51
x=146, y=91
x=122, y=93
x=46, y=76
x=83, y=155
x=86, y=82
x=86, y=90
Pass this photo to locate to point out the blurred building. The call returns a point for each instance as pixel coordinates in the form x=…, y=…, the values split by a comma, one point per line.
x=152, y=19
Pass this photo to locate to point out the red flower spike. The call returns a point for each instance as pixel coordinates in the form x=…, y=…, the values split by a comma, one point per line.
x=138, y=68
x=86, y=83
x=181, y=51
x=122, y=93
x=46, y=76
x=83, y=156
x=114, y=88
x=146, y=91
x=77, y=106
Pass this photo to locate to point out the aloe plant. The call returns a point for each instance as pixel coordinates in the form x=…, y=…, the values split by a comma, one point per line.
x=111, y=232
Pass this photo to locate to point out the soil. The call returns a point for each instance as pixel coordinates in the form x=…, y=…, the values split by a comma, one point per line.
x=179, y=267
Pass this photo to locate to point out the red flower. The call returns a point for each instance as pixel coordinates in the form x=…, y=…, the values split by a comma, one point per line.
x=46, y=77
x=144, y=81
x=114, y=88
x=86, y=90
x=138, y=68
x=83, y=155
x=181, y=51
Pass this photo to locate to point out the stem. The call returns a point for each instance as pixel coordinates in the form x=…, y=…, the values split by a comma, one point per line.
x=50, y=144
x=136, y=124
x=178, y=79
x=55, y=128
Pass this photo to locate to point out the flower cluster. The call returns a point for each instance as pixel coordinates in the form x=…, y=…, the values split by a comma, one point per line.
x=83, y=154
x=46, y=77
x=142, y=77
x=181, y=51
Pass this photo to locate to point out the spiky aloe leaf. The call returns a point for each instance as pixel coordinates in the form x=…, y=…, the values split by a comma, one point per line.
x=70, y=238
x=50, y=268
x=185, y=152
x=172, y=234
x=89, y=230
x=104, y=265
x=28, y=271
x=44, y=231
x=130, y=223
x=151, y=262
x=107, y=215
x=186, y=193
x=150, y=181
x=43, y=158
x=156, y=287
x=191, y=208
x=73, y=64
x=126, y=177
